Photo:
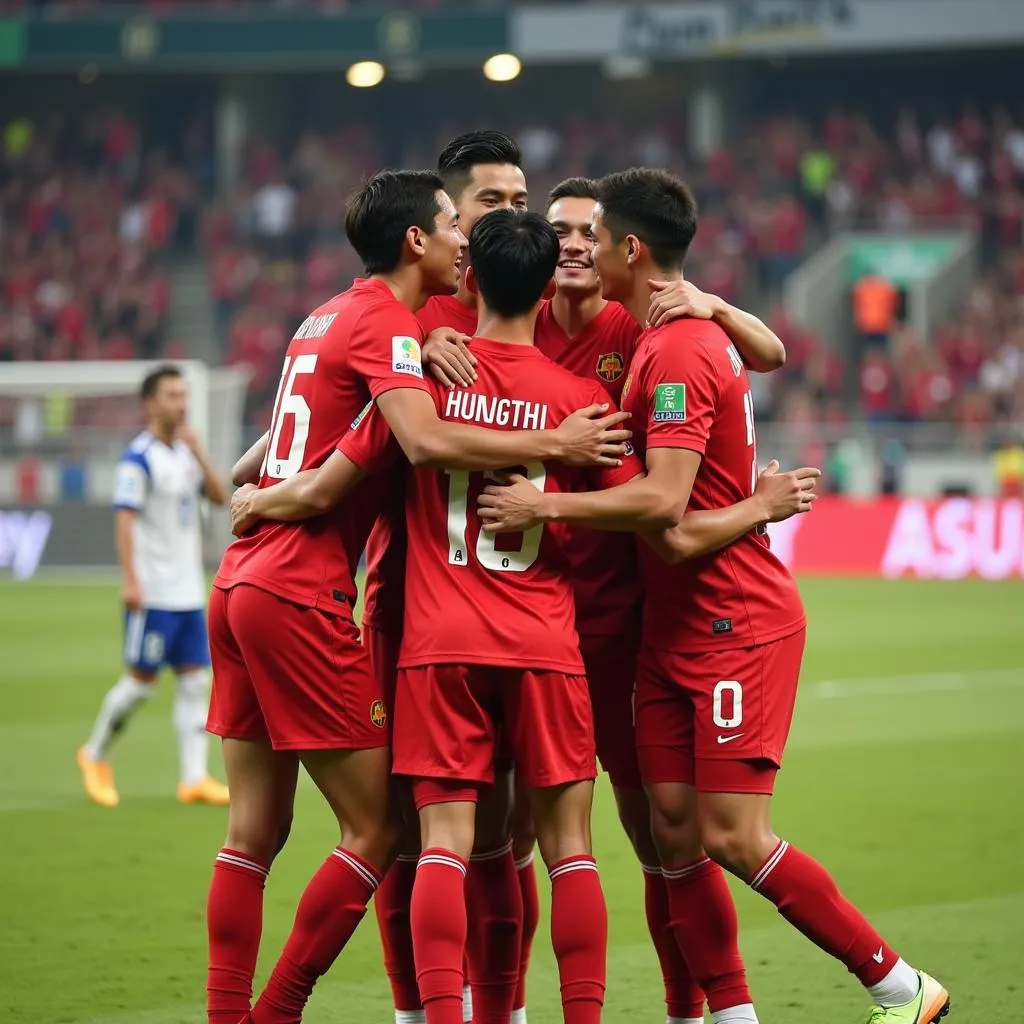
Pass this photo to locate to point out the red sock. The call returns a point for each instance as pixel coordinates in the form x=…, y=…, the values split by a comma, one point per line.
x=807, y=897
x=492, y=887
x=683, y=996
x=234, y=923
x=704, y=924
x=438, y=921
x=579, y=936
x=391, y=903
x=531, y=918
x=329, y=911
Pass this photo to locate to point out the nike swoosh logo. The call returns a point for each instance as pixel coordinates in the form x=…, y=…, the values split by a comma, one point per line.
x=729, y=739
x=879, y=956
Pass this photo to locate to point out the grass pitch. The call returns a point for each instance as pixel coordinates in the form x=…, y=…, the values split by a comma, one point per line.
x=904, y=775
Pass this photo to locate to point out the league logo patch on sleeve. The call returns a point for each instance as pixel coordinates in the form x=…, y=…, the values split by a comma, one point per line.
x=670, y=403
x=405, y=356
x=362, y=415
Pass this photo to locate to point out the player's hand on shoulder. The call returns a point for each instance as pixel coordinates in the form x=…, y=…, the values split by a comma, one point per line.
x=786, y=494
x=240, y=510
x=593, y=437
x=671, y=300
x=446, y=352
x=131, y=595
x=512, y=505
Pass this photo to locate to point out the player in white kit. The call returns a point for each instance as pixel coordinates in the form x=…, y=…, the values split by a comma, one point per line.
x=160, y=479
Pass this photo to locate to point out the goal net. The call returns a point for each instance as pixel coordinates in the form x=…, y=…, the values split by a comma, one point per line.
x=63, y=427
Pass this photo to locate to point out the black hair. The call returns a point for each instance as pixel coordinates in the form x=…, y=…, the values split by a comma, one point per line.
x=151, y=382
x=464, y=152
x=513, y=254
x=574, y=188
x=382, y=210
x=652, y=204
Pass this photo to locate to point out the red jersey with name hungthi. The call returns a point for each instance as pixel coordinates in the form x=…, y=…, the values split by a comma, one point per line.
x=472, y=597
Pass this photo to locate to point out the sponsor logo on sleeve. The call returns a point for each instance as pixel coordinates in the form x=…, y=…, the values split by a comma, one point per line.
x=627, y=386
x=610, y=366
x=405, y=356
x=670, y=403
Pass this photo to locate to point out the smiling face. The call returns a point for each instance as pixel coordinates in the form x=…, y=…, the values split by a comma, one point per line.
x=442, y=249
x=610, y=259
x=571, y=218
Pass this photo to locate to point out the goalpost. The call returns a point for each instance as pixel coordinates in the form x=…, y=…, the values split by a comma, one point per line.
x=63, y=426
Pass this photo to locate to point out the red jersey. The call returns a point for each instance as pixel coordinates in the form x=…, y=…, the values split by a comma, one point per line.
x=687, y=388
x=384, y=590
x=605, y=576
x=355, y=347
x=473, y=598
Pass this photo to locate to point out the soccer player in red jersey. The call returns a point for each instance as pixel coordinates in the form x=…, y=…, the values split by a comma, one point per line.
x=723, y=637
x=489, y=636
x=292, y=680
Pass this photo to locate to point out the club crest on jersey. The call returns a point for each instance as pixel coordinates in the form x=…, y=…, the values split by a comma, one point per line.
x=670, y=403
x=378, y=714
x=405, y=356
x=627, y=386
x=610, y=366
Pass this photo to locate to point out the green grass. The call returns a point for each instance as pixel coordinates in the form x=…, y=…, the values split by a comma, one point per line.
x=903, y=775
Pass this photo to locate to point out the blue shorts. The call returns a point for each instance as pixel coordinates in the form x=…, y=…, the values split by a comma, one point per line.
x=154, y=638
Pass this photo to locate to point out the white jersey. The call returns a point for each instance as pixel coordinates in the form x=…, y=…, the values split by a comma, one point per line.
x=163, y=484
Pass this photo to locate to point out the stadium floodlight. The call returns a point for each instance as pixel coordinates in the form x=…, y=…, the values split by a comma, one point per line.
x=365, y=74
x=502, y=67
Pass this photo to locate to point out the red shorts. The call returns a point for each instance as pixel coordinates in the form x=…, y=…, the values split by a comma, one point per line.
x=447, y=719
x=296, y=676
x=383, y=647
x=610, y=660
x=699, y=714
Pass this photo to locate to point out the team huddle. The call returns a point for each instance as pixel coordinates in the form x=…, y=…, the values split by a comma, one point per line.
x=550, y=582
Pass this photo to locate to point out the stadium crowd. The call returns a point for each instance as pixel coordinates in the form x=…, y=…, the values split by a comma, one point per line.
x=88, y=213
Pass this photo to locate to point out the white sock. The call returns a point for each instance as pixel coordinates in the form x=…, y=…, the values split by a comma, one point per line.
x=899, y=986
x=742, y=1014
x=410, y=1017
x=684, y=1020
x=190, y=708
x=519, y=1016
x=121, y=700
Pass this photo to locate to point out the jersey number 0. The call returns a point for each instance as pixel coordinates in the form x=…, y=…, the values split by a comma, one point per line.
x=487, y=553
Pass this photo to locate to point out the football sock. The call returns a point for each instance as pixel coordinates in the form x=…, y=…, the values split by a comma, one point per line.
x=410, y=1017
x=191, y=704
x=518, y=1016
x=495, y=935
x=531, y=918
x=234, y=923
x=467, y=1001
x=685, y=1020
x=684, y=1000
x=893, y=988
x=579, y=937
x=806, y=896
x=391, y=904
x=743, y=1014
x=329, y=911
x=119, y=703
x=703, y=920
x=438, y=924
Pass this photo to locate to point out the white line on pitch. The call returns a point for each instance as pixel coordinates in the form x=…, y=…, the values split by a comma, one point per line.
x=920, y=682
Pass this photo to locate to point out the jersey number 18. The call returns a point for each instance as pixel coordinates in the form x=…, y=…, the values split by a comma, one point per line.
x=487, y=553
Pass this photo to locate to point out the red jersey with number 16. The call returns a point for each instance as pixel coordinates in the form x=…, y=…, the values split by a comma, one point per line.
x=358, y=345
x=472, y=597
x=688, y=388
